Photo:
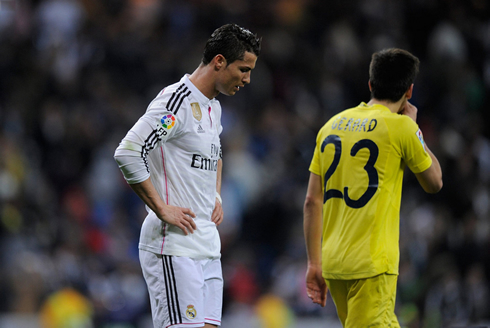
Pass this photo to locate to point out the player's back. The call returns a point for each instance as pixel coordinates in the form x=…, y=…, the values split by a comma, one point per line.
x=359, y=158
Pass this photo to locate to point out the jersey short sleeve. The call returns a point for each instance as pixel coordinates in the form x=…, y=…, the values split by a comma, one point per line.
x=411, y=145
x=315, y=162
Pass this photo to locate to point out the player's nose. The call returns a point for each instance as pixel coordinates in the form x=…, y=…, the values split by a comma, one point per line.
x=246, y=78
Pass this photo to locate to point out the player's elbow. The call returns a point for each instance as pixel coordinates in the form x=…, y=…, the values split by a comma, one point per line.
x=311, y=202
x=434, y=188
x=119, y=158
x=431, y=179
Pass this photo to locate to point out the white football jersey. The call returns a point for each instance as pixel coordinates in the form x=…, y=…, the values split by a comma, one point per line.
x=176, y=143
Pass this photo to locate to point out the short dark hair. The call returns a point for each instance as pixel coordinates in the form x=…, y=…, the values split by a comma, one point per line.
x=391, y=73
x=231, y=41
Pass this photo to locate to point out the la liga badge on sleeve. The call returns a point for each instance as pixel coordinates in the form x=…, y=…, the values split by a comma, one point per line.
x=421, y=137
x=168, y=121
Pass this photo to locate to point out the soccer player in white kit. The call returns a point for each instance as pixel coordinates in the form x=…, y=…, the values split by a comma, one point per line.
x=171, y=158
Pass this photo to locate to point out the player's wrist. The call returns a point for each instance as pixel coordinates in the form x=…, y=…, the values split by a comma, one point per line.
x=218, y=197
x=315, y=264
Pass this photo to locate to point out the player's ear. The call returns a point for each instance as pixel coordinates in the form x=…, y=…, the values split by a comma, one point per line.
x=370, y=87
x=219, y=61
x=409, y=92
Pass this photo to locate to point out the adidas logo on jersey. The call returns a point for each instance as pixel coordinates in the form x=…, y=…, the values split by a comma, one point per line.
x=200, y=129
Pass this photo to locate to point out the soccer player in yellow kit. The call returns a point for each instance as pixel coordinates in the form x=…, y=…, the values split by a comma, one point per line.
x=351, y=211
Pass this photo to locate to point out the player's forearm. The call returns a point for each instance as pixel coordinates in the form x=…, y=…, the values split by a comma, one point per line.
x=431, y=179
x=218, y=176
x=437, y=167
x=149, y=195
x=312, y=225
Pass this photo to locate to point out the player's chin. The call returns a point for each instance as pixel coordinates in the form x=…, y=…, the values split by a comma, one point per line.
x=230, y=93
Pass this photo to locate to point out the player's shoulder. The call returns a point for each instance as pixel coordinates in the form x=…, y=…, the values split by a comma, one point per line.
x=399, y=123
x=401, y=128
x=171, y=99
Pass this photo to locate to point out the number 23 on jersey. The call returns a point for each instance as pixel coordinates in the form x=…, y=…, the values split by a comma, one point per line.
x=371, y=171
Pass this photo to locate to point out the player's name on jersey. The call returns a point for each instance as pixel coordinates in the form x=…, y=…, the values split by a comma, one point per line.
x=203, y=163
x=354, y=124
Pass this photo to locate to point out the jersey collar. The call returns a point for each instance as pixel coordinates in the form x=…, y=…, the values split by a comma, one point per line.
x=375, y=106
x=196, y=93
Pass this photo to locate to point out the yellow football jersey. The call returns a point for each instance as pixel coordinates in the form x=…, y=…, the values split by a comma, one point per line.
x=360, y=155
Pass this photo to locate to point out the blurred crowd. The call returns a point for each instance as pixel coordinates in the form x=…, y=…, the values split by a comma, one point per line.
x=75, y=75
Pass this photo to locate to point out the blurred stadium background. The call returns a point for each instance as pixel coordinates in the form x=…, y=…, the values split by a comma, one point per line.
x=76, y=74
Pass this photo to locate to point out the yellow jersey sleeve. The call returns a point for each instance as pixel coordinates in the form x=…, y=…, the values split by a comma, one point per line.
x=409, y=141
x=315, y=162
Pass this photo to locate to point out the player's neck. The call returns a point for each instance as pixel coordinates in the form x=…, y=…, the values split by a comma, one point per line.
x=393, y=107
x=203, y=79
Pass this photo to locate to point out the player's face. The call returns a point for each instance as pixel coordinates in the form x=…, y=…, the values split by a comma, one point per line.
x=236, y=75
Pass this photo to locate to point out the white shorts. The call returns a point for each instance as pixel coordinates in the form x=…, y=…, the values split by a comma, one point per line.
x=183, y=292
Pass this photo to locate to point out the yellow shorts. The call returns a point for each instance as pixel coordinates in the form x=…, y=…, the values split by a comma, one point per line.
x=366, y=302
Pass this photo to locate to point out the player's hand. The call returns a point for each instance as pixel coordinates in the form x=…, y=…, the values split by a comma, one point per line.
x=409, y=110
x=180, y=217
x=316, y=288
x=217, y=216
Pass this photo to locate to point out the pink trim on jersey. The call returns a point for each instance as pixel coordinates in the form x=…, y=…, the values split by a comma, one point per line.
x=166, y=193
x=161, y=93
x=209, y=111
x=165, y=173
x=212, y=320
x=185, y=323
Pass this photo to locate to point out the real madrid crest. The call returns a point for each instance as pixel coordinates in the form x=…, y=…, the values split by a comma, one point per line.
x=196, y=111
x=190, y=312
